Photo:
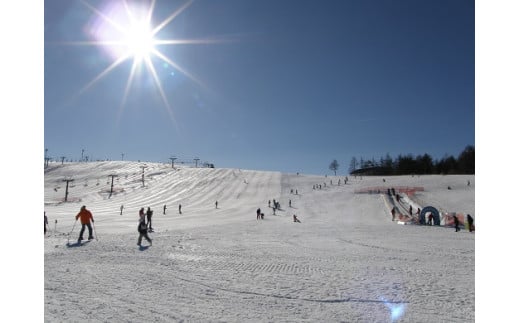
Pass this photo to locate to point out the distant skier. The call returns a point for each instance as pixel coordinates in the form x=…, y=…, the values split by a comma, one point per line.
x=410, y=210
x=290, y=203
x=180, y=206
x=295, y=219
x=85, y=217
x=149, y=214
x=121, y=209
x=164, y=209
x=456, y=220
x=470, y=223
x=258, y=214
x=393, y=213
x=142, y=228
x=216, y=204
x=430, y=219
x=269, y=203
x=46, y=222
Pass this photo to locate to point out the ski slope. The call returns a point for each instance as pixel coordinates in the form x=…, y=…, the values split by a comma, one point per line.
x=346, y=261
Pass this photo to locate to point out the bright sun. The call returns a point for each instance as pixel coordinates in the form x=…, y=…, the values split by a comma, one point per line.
x=124, y=30
x=140, y=40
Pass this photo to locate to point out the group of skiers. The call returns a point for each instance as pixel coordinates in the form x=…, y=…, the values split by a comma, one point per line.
x=456, y=221
x=260, y=215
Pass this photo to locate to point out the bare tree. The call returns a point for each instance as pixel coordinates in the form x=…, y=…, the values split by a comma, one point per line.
x=353, y=164
x=334, y=166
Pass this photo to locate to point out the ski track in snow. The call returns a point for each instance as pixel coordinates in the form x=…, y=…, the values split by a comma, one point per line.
x=346, y=262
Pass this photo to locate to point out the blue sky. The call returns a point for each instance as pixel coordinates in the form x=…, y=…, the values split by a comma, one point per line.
x=289, y=86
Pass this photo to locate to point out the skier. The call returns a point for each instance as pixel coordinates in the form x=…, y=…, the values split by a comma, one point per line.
x=85, y=217
x=45, y=223
x=258, y=213
x=142, y=229
x=149, y=214
x=121, y=209
x=290, y=204
x=295, y=219
x=470, y=223
x=456, y=220
x=180, y=212
x=393, y=213
x=410, y=210
x=216, y=204
x=164, y=209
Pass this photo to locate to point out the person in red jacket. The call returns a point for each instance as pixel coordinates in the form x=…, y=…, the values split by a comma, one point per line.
x=85, y=217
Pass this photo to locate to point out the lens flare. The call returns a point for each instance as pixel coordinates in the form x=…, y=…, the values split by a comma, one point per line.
x=396, y=310
x=124, y=30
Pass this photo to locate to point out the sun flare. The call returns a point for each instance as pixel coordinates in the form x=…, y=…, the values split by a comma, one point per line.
x=124, y=30
x=140, y=40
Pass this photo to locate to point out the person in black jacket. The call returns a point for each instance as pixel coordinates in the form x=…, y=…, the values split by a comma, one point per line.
x=46, y=222
x=142, y=229
x=149, y=213
x=470, y=223
x=456, y=220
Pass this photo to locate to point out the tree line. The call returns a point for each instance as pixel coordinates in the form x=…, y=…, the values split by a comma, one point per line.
x=408, y=164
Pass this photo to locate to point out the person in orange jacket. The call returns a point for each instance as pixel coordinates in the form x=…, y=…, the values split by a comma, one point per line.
x=85, y=217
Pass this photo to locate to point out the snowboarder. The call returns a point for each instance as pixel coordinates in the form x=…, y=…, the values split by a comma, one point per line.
x=456, y=220
x=85, y=217
x=470, y=223
x=295, y=219
x=149, y=214
x=142, y=228
x=46, y=222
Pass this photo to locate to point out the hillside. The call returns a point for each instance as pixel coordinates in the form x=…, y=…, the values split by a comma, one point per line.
x=346, y=261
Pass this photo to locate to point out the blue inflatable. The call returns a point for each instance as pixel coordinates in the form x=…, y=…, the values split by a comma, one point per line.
x=433, y=211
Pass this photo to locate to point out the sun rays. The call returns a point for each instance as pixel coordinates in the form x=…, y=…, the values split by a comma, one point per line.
x=124, y=30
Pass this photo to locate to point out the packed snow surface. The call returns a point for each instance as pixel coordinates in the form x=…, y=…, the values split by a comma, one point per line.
x=347, y=261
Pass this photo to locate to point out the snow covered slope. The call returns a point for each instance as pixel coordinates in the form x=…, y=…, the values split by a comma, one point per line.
x=346, y=261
